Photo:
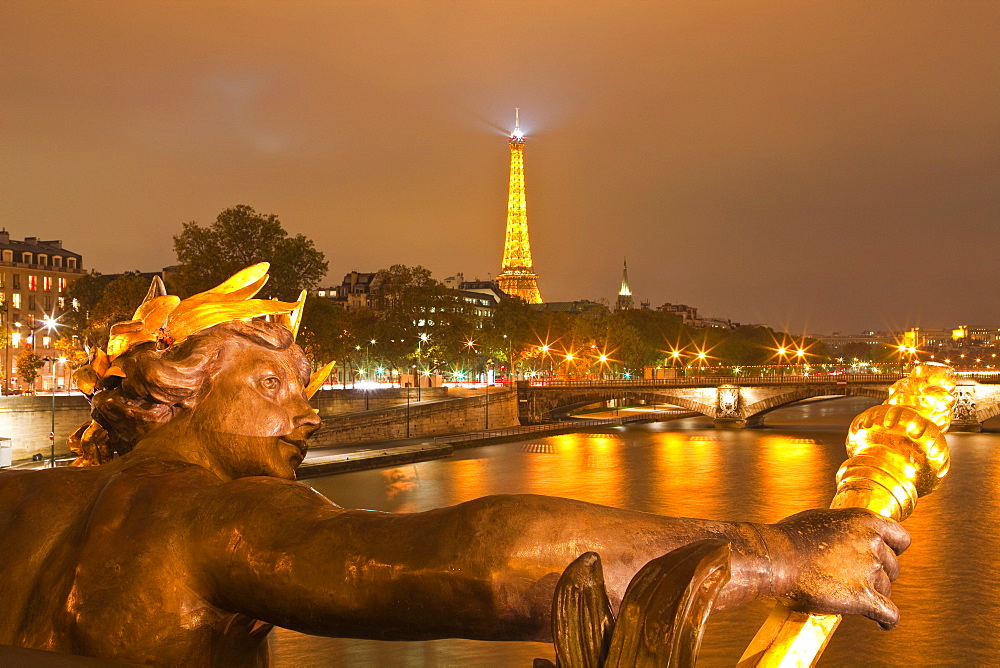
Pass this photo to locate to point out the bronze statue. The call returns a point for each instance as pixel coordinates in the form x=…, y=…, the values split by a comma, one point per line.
x=188, y=547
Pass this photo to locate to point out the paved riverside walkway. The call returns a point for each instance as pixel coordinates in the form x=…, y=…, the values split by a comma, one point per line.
x=360, y=456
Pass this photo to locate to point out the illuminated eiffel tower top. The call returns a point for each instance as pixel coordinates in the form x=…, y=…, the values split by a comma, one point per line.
x=517, y=275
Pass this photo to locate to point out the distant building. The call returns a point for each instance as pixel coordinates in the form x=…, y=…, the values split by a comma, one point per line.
x=458, y=282
x=484, y=288
x=689, y=316
x=354, y=292
x=584, y=307
x=477, y=299
x=35, y=276
x=476, y=304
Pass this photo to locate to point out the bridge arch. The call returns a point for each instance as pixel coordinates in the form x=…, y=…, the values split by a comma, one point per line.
x=544, y=407
x=758, y=409
x=987, y=411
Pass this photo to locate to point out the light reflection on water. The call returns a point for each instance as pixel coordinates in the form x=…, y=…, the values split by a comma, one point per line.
x=949, y=592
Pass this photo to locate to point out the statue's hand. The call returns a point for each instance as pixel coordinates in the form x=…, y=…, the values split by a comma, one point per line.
x=838, y=562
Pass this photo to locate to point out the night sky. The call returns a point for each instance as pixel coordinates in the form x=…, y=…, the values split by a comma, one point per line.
x=816, y=166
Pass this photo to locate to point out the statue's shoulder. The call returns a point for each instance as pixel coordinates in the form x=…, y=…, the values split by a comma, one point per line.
x=270, y=489
x=163, y=471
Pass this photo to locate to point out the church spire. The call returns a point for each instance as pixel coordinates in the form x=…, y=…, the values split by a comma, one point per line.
x=624, y=302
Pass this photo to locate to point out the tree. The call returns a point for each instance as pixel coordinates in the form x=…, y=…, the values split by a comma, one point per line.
x=28, y=364
x=84, y=293
x=238, y=238
x=68, y=347
x=323, y=332
x=117, y=301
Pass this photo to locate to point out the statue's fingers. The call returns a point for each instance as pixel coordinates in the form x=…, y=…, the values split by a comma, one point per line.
x=883, y=611
x=890, y=563
x=881, y=583
x=894, y=535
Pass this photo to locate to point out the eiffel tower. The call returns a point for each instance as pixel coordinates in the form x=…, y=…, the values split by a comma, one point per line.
x=517, y=276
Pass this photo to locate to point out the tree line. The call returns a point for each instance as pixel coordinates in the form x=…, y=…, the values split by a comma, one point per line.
x=417, y=325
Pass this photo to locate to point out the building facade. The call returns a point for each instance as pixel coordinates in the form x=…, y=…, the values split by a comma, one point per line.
x=35, y=276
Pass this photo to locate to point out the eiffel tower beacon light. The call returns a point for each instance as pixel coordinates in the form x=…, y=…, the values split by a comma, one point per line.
x=517, y=276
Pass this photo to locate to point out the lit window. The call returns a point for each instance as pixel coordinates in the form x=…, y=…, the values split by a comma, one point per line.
x=47, y=283
x=62, y=302
x=15, y=339
x=45, y=342
x=3, y=276
x=32, y=282
x=76, y=304
x=15, y=300
x=62, y=285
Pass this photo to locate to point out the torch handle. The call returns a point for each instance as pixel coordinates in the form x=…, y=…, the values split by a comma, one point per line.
x=897, y=455
x=791, y=638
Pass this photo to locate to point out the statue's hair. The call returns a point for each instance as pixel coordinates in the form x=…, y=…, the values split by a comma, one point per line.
x=160, y=384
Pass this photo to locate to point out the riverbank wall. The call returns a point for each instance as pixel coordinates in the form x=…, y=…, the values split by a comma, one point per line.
x=27, y=421
x=454, y=416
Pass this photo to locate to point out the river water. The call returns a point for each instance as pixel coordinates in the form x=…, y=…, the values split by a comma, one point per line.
x=948, y=593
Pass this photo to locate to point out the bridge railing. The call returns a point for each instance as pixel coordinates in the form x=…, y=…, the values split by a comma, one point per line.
x=714, y=381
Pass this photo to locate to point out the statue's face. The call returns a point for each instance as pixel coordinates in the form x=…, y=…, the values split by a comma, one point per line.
x=254, y=419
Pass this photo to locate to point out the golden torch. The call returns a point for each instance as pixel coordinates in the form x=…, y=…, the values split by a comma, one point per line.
x=897, y=452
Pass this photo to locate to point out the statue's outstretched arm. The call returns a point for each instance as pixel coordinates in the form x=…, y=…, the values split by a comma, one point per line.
x=486, y=569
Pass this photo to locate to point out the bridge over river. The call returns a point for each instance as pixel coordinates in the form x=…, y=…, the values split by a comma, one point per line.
x=744, y=401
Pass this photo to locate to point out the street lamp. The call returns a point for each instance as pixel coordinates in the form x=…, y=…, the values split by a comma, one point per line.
x=544, y=350
x=422, y=339
x=489, y=370
x=471, y=347
x=52, y=433
x=603, y=359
